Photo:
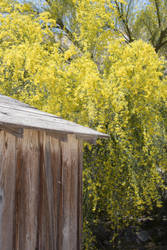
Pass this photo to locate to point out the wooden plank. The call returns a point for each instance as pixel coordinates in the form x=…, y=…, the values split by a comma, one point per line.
x=60, y=205
x=80, y=187
x=55, y=154
x=27, y=192
x=49, y=223
x=70, y=191
x=56, y=135
x=8, y=100
x=66, y=177
x=22, y=117
x=43, y=211
x=73, y=143
x=50, y=192
x=7, y=188
x=26, y=108
x=12, y=130
x=90, y=139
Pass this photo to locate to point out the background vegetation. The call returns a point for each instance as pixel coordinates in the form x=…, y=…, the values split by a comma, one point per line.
x=101, y=64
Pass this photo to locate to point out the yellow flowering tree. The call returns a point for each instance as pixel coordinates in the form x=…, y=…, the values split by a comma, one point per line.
x=99, y=81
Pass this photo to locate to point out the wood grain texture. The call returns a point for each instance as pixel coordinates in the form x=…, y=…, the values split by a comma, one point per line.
x=27, y=191
x=50, y=188
x=66, y=177
x=50, y=193
x=43, y=211
x=58, y=219
x=73, y=144
x=40, y=191
x=7, y=189
x=12, y=130
x=13, y=112
x=56, y=167
x=80, y=188
x=70, y=193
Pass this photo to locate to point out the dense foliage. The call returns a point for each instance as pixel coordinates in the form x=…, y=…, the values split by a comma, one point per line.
x=99, y=81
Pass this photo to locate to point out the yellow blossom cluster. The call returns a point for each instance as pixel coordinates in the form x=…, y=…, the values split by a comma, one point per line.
x=126, y=98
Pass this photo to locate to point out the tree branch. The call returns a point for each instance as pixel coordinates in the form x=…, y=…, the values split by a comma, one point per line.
x=160, y=46
x=124, y=21
x=160, y=42
x=128, y=9
x=68, y=33
x=158, y=13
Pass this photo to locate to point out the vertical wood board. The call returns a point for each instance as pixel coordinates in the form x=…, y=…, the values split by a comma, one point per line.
x=40, y=192
x=43, y=211
x=70, y=192
x=80, y=188
x=50, y=185
x=7, y=189
x=27, y=191
x=57, y=187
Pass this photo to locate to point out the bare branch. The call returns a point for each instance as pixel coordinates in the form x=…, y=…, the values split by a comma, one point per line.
x=160, y=42
x=128, y=9
x=158, y=13
x=124, y=21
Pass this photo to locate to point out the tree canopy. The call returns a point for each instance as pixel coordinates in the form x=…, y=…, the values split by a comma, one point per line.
x=100, y=81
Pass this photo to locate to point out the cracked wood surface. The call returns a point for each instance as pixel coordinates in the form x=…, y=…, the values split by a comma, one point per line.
x=40, y=192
